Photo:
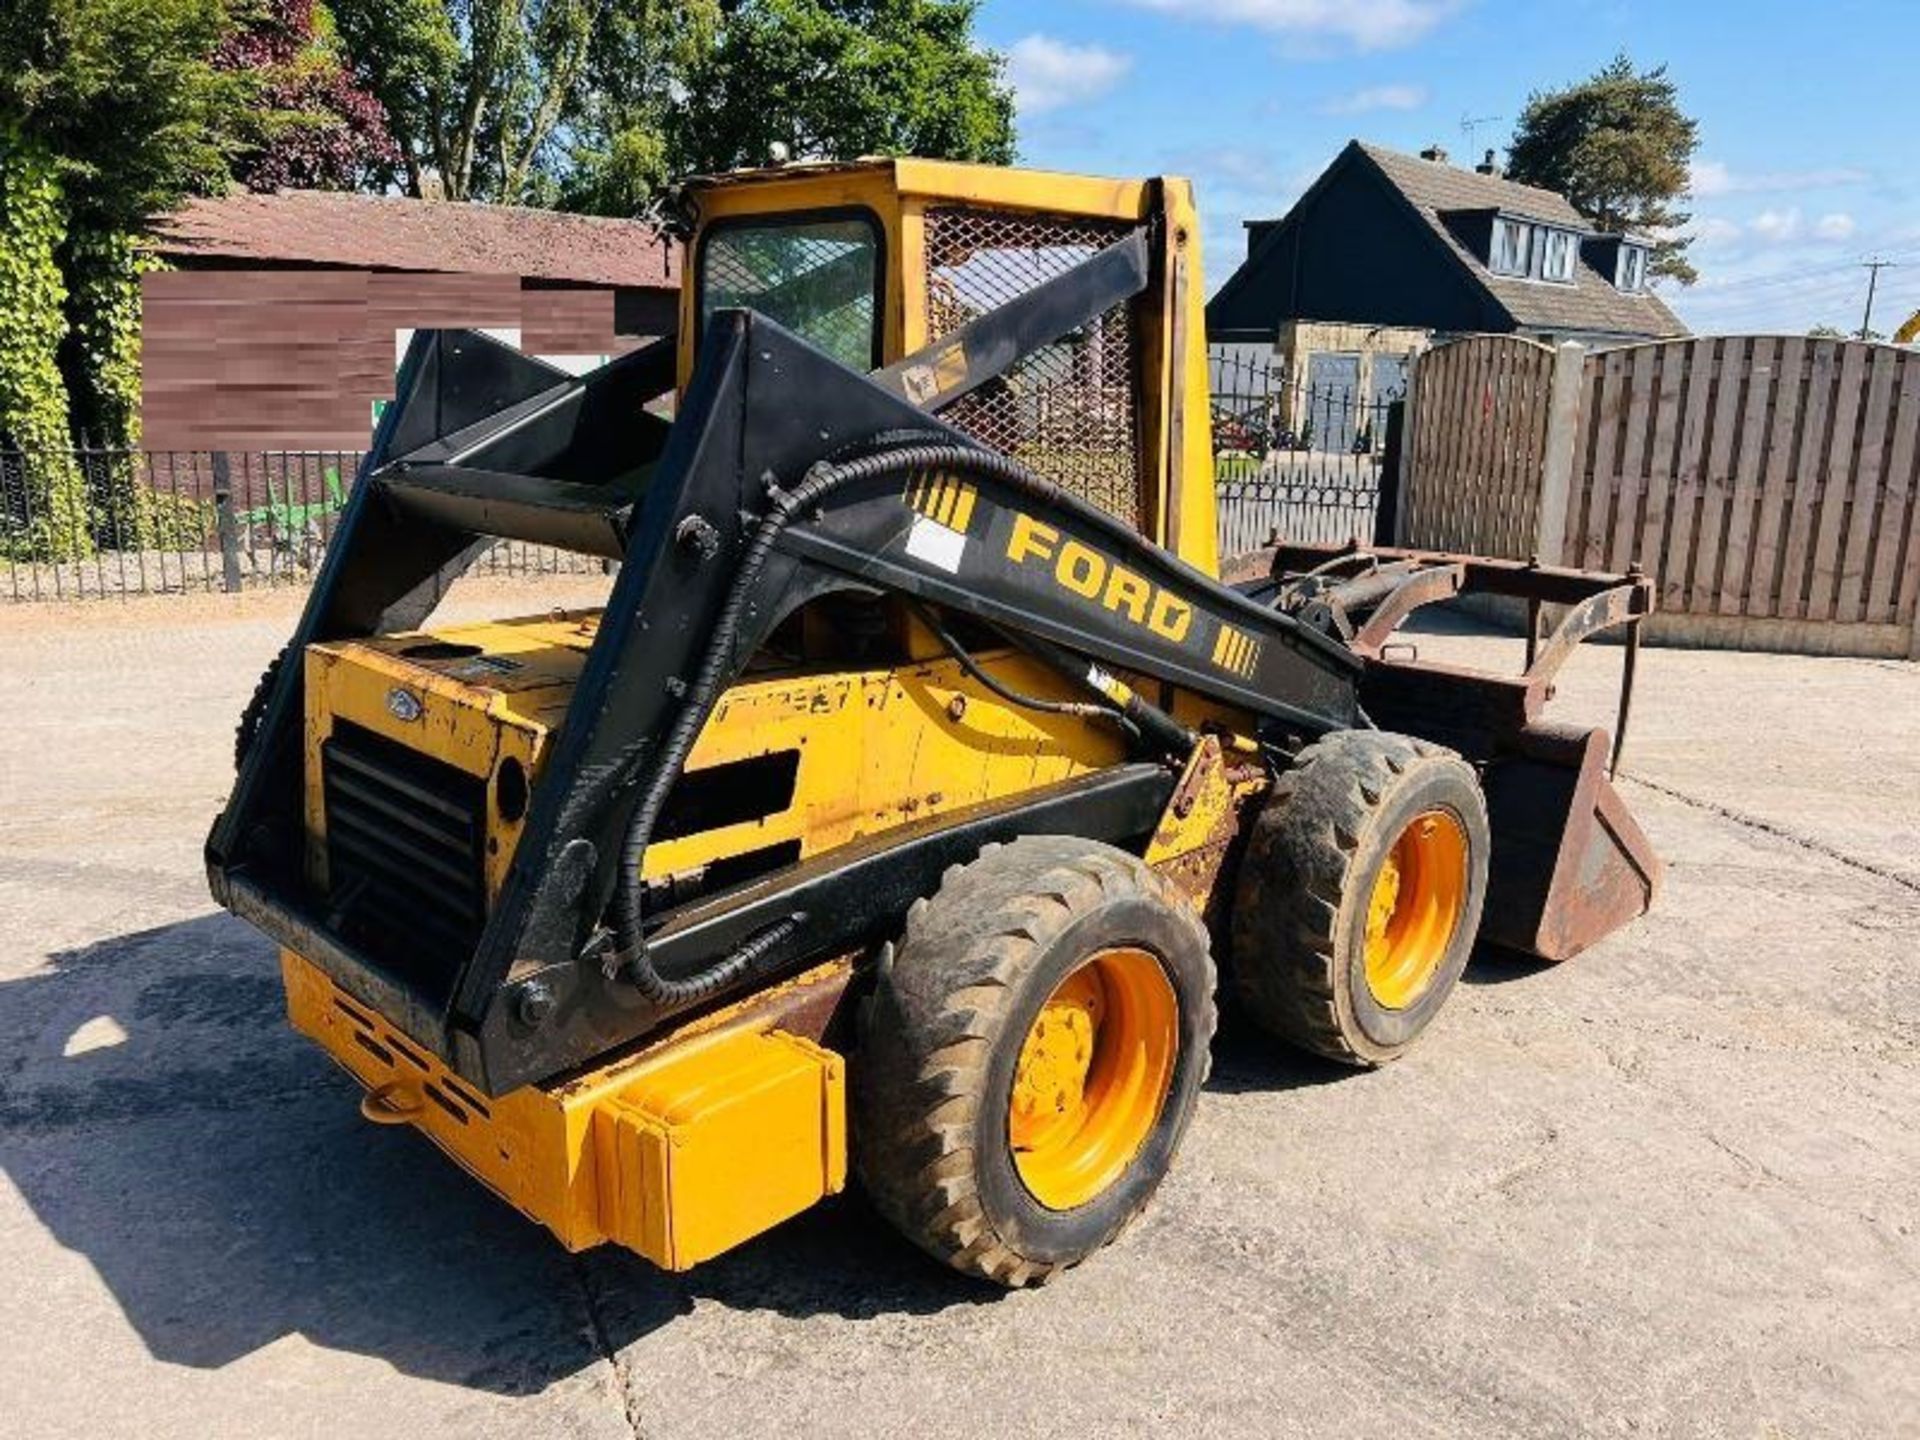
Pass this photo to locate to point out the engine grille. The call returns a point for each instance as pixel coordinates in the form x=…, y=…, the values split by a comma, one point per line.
x=405, y=854
x=1067, y=411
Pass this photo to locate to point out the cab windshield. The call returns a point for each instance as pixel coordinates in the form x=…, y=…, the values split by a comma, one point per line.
x=819, y=277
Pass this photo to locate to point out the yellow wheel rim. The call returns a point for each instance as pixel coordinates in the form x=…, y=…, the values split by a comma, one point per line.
x=1416, y=903
x=1092, y=1075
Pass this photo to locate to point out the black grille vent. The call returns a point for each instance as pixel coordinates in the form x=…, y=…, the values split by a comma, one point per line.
x=406, y=840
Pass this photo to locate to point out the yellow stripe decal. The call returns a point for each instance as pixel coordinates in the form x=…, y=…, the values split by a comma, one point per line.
x=1235, y=651
x=943, y=499
x=963, y=511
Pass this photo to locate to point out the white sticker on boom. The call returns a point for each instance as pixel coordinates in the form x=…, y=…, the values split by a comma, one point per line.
x=934, y=543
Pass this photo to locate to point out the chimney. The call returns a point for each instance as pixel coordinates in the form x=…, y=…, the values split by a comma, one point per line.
x=1487, y=166
x=1435, y=153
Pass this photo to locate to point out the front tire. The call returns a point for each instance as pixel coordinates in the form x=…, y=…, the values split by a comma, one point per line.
x=1359, y=895
x=1030, y=1059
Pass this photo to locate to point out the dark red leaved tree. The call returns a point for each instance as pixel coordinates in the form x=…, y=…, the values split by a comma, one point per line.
x=316, y=129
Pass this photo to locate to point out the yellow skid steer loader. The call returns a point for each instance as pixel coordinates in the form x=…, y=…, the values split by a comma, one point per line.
x=898, y=802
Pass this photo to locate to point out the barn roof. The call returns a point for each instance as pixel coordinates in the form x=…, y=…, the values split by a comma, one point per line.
x=385, y=232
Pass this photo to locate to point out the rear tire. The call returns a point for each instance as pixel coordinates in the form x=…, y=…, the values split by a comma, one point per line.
x=255, y=714
x=1359, y=895
x=1057, y=994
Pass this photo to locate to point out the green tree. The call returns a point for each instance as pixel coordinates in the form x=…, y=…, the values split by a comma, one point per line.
x=594, y=104
x=310, y=127
x=616, y=155
x=477, y=91
x=122, y=95
x=834, y=79
x=1618, y=147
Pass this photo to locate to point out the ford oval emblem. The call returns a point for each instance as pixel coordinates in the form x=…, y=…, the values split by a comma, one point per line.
x=403, y=704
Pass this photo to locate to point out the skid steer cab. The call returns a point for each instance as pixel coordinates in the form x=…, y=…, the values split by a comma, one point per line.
x=894, y=809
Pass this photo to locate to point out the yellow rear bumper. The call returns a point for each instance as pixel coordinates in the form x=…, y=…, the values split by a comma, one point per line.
x=680, y=1151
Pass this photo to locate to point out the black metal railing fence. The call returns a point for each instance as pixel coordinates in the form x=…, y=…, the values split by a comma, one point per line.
x=101, y=521
x=1299, y=460
x=1296, y=457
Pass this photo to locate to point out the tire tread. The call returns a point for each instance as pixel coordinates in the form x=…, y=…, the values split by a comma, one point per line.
x=1295, y=875
x=972, y=941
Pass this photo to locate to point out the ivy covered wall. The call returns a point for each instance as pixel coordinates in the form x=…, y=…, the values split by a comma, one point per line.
x=44, y=515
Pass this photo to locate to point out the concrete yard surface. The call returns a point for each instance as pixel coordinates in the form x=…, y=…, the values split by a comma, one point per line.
x=1669, y=1188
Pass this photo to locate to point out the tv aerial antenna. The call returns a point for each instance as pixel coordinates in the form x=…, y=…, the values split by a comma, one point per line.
x=1472, y=125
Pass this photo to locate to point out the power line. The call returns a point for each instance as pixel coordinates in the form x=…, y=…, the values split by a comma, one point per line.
x=1791, y=277
x=1835, y=275
x=1839, y=290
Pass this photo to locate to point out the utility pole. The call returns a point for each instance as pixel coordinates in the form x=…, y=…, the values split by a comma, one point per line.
x=1873, y=268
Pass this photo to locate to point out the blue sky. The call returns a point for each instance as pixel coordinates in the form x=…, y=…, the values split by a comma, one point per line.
x=1809, y=116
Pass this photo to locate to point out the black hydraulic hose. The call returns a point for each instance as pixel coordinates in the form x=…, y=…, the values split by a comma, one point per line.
x=1149, y=720
x=1006, y=692
x=629, y=955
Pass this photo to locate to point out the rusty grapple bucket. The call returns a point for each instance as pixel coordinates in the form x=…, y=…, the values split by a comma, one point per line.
x=1569, y=865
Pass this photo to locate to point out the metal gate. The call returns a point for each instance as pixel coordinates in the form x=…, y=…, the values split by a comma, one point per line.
x=1297, y=455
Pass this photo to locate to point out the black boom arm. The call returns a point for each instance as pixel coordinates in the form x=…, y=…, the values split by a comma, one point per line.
x=784, y=477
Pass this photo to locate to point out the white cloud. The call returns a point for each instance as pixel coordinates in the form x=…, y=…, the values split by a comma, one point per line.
x=1769, y=230
x=1711, y=177
x=1756, y=285
x=1239, y=167
x=1047, y=73
x=1710, y=230
x=1366, y=24
x=1377, y=97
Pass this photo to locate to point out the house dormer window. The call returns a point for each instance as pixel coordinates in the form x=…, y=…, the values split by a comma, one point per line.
x=1631, y=272
x=1558, y=253
x=1512, y=247
x=1533, y=251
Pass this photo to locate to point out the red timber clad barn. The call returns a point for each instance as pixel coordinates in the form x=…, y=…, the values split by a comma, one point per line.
x=280, y=322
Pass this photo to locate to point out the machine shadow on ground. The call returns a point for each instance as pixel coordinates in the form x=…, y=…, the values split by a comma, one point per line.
x=213, y=1170
x=1246, y=1060
x=164, y=1123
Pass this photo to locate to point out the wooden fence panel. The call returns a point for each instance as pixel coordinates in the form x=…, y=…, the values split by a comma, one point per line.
x=1629, y=483
x=1769, y=558
x=1591, y=502
x=1660, y=487
x=1771, y=485
x=1758, y=477
x=1788, y=601
x=1834, y=478
x=1892, y=588
x=1478, y=444
x=1692, y=509
x=1868, y=491
x=1744, y=476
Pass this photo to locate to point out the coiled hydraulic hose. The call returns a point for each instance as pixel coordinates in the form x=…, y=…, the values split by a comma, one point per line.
x=629, y=955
